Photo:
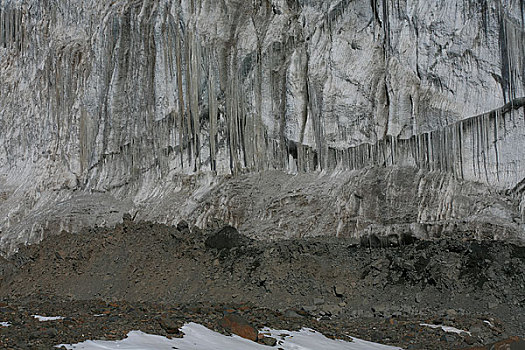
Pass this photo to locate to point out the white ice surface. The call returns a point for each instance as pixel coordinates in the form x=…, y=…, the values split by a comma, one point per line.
x=5, y=324
x=45, y=318
x=445, y=328
x=198, y=337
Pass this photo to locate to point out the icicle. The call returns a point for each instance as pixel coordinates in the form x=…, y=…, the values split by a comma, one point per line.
x=194, y=98
x=180, y=123
x=213, y=117
x=496, y=125
x=189, y=130
x=2, y=30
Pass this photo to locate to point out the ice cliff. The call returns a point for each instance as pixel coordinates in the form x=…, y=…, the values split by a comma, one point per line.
x=121, y=106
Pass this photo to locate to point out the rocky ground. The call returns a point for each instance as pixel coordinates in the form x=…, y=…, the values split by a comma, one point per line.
x=108, y=281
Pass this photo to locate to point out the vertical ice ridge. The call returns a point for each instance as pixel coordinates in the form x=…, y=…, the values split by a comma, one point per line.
x=122, y=96
x=480, y=139
x=223, y=92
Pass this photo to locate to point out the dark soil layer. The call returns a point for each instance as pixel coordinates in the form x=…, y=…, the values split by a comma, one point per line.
x=139, y=274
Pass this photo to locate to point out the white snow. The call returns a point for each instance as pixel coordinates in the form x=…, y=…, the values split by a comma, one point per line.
x=445, y=328
x=198, y=337
x=308, y=339
x=45, y=318
x=5, y=324
x=489, y=323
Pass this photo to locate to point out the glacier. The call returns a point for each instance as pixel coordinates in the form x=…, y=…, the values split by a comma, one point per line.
x=282, y=117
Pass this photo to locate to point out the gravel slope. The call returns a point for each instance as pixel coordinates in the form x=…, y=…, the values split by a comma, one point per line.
x=376, y=289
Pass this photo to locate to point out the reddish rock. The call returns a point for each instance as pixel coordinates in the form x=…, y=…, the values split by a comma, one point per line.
x=512, y=343
x=238, y=325
x=244, y=308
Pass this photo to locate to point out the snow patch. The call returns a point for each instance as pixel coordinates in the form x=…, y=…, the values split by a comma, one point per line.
x=45, y=318
x=198, y=337
x=308, y=339
x=489, y=323
x=445, y=328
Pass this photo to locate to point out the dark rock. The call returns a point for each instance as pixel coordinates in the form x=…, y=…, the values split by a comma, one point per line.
x=183, y=226
x=170, y=325
x=51, y=332
x=371, y=241
x=226, y=238
x=379, y=309
x=318, y=301
x=475, y=330
x=309, y=309
x=377, y=336
x=339, y=290
x=292, y=314
x=470, y=340
x=418, y=297
x=407, y=239
x=451, y=313
x=268, y=341
x=449, y=338
x=127, y=218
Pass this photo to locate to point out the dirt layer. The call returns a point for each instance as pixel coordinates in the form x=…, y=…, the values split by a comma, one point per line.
x=108, y=281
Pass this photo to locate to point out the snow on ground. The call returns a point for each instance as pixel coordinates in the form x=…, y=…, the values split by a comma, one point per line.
x=445, y=328
x=4, y=324
x=45, y=318
x=198, y=337
x=489, y=323
x=308, y=339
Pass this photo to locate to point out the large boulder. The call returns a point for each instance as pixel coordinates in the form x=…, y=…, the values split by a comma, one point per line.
x=226, y=238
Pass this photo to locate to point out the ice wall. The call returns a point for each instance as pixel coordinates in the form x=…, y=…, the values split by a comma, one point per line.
x=120, y=96
x=487, y=148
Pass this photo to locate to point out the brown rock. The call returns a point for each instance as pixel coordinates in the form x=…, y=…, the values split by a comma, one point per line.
x=244, y=308
x=169, y=325
x=470, y=340
x=512, y=343
x=269, y=341
x=238, y=325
